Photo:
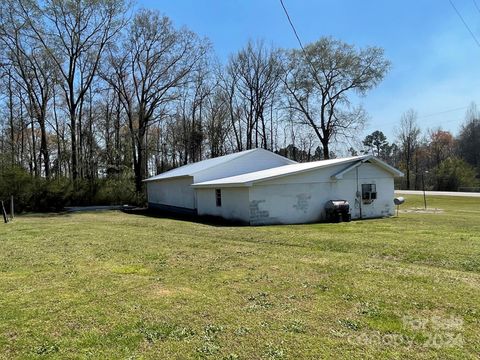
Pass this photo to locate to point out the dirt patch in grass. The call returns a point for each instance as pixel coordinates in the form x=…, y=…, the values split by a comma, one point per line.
x=162, y=291
x=422, y=211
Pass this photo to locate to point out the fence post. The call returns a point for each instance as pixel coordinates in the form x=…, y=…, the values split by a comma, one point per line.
x=12, y=208
x=4, y=213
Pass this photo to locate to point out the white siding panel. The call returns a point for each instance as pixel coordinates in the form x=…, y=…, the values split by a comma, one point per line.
x=371, y=174
x=383, y=205
x=235, y=204
x=368, y=171
x=295, y=203
x=301, y=198
x=313, y=176
x=172, y=192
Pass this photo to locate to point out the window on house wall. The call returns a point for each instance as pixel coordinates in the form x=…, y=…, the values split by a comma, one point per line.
x=218, y=197
x=369, y=192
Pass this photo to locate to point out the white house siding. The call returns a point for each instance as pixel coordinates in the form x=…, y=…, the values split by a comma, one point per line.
x=301, y=198
x=250, y=162
x=235, y=205
x=171, y=193
x=371, y=174
x=176, y=194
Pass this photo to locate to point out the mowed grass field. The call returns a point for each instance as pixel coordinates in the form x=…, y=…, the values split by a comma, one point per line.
x=109, y=285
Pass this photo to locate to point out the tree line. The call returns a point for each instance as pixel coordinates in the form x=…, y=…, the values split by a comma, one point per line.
x=96, y=96
x=435, y=159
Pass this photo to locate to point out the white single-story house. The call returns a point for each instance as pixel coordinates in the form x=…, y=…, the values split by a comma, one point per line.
x=290, y=193
x=172, y=190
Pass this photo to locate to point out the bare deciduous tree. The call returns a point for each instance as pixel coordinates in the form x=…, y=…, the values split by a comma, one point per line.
x=320, y=80
x=469, y=137
x=156, y=61
x=256, y=72
x=408, y=134
x=35, y=73
x=74, y=34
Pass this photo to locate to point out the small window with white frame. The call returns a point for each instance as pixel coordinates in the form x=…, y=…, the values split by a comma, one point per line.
x=218, y=197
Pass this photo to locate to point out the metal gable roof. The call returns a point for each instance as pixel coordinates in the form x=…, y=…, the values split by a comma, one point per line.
x=194, y=168
x=249, y=178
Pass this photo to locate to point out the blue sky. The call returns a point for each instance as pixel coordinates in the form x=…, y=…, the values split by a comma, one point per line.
x=435, y=61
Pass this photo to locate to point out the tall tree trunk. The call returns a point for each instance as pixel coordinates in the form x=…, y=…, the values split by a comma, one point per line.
x=90, y=156
x=23, y=129
x=326, y=150
x=264, y=131
x=73, y=139
x=117, y=137
x=408, y=165
x=44, y=146
x=135, y=151
x=139, y=165
x=141, y=168
x=416, y=172
x=80, y=133
x=33, y=149
x=12, y=129
x=235, y=131
x=57, y=130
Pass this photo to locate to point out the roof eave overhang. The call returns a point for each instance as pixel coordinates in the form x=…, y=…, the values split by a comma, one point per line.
x=339, y=175
x=294, y=173
x=395, y=172
x=217, y=186
x=370, y=158
x=166, y=178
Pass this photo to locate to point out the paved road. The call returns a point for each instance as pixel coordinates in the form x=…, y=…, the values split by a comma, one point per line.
x=435, y=193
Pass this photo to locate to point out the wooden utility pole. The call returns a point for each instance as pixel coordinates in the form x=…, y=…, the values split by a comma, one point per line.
x=4, y=213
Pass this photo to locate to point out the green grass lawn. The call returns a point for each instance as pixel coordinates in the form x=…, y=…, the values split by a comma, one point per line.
x=111, y=285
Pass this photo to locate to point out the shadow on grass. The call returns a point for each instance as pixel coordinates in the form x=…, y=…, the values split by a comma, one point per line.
x=221, y=222
x=68, y=211
x=146, y=212
x=209, y=220
x=44, y=215
x=198, y=219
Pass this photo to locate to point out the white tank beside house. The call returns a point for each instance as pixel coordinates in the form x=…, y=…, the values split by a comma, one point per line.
x=172, y=190
x=297, y=193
